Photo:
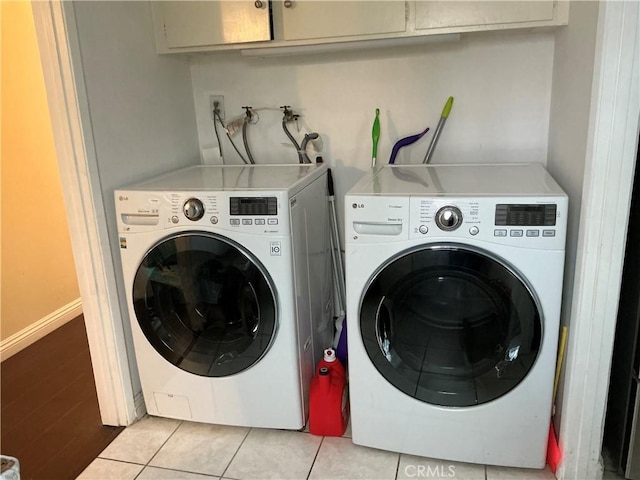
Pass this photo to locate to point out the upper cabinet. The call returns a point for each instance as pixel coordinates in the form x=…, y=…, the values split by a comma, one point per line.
x=200, y=24
x=458, y=15
x=187, y=26
x=305, y=20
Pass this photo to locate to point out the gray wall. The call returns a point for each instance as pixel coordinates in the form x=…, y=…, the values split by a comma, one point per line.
x=140, y=107
x=568, y=129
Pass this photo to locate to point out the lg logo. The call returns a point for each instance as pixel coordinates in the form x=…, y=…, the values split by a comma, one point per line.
x=122, y=198
x=358, y=205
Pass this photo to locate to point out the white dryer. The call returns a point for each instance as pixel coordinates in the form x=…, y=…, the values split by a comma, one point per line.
x=228, y=283
x=454, y=282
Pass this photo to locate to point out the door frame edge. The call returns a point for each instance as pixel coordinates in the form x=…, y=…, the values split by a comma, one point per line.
x=71, y=123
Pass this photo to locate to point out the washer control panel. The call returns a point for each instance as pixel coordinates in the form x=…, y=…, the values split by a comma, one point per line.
x=253, y=206
x=435, y=216
x=262, y=213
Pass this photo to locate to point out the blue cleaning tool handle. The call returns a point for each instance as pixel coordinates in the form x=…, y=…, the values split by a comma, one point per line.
x=403, y=142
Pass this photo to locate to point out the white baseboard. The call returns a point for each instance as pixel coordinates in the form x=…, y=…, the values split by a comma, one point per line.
x=141, y=408
x=34, y=332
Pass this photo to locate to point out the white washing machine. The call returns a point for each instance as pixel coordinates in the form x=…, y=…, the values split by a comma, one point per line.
x=454, y=282
x=228, y=283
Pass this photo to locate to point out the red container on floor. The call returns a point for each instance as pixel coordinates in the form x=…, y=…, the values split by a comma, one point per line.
x=331, y=362
x=328, y=402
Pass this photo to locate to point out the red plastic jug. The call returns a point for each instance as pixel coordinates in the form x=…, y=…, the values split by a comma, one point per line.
x=328, y=402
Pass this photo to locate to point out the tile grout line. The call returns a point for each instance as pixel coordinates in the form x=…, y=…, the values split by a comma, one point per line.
x=181, y=422
x=169, y=469
x=315, y=457
x=114, y=460
x=398, y=466
x=236, y=452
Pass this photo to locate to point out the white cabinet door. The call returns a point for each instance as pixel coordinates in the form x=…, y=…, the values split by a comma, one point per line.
x=453, y=13
x=193, y=24
x=308, y=19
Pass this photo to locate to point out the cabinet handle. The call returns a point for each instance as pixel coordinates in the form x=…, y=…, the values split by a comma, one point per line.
x=258, y=4
x=288, y=3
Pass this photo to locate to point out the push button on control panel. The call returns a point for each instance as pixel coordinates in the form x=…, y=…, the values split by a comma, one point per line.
x=423, y=229
x=474, y=230
x=548, y=233
x=234, y=221
x=500, y=232
x=516, y=233
x=247, y=221
x=272, y=221
x=259, y=221
x=533, y=233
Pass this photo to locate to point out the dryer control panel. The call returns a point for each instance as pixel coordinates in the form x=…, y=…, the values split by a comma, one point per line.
x=526, y=215
x=527, y=222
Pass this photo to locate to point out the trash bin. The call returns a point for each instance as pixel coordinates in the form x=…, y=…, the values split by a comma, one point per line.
x=9, y=468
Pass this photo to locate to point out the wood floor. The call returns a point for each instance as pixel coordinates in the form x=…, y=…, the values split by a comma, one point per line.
x=50, y=419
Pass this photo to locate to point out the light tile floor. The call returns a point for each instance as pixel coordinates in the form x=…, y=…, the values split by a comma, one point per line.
x=165, y=449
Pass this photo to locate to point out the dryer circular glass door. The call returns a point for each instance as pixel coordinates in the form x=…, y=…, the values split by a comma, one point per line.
x=205, y=304
x=450, y=325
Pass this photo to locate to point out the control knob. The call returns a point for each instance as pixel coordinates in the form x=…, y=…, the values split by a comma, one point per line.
x=193, y=209
x=448, y=218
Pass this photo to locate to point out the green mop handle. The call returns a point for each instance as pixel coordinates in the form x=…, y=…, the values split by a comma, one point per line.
x=375, y=134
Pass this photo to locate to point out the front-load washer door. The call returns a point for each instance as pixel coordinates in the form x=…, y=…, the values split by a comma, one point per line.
x=205, y=304
x=450, y=325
